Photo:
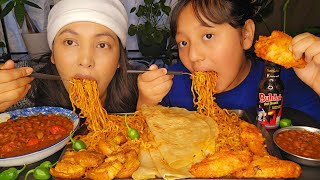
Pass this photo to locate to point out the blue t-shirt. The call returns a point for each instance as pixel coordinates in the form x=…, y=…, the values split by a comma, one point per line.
x=297, y=94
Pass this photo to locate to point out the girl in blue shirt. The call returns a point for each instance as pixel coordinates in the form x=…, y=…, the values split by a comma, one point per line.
x=213, y=35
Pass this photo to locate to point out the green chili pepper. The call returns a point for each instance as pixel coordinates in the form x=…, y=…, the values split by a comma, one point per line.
x=47, y=164
x=11, y=173
x=39, y=173
x=132, y=133
x=77, y=144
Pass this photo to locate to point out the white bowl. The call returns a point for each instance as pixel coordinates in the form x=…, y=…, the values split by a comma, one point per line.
x=43, y=153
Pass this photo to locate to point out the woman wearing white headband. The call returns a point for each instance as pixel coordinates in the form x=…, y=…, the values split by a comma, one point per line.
x=87, y=39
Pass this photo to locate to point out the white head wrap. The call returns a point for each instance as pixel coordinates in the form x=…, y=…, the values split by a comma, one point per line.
x=109, y=13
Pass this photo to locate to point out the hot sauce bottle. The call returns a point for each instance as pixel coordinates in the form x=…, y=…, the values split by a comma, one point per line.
x=270, y=97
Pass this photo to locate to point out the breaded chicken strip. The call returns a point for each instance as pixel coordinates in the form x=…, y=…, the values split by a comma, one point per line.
x=252, y=138
x=275, y=48
x=270, y=167
x=222, y=163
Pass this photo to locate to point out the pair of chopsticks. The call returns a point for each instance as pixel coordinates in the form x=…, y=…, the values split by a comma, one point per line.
x=48, y=77
x=55, y=77
x=169, y=72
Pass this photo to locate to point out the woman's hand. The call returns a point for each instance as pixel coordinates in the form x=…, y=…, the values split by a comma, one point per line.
x=153, y=86
x=308, y=45
x=14, y=84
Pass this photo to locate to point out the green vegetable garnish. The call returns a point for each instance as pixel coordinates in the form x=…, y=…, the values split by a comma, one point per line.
x=42, y=171
x=285, y=122
x=11, y=173
x=132, y=133
x=77, y=144
x=47, y=164
x=39, y=173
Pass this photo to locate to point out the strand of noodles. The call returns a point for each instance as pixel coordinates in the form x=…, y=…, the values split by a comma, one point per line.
x=203, y=89
x=84, y=94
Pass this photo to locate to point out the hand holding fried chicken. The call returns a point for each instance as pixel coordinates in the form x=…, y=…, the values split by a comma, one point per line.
x=308, y=45
x=302, y=53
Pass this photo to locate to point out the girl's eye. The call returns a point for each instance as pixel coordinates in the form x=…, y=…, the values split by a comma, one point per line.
x=182, y=44
x=103, y=45
x=208, y=36
x=70, y=42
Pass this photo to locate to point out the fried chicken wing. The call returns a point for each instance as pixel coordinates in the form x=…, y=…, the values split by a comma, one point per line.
x=270, y=167
x=67, y=167
x=222, y=163
x=67, y=170
x=130, y=165
x=275, y=48
x=252, y=138
x=89, y=158
x=106, y=171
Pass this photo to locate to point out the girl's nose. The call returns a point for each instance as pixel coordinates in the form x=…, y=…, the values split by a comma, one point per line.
x=86, y=59
x=195, y=53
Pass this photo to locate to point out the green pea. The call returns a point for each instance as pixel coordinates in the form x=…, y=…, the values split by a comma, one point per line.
x=11, y=173
x=77, y=144
x=132, y=133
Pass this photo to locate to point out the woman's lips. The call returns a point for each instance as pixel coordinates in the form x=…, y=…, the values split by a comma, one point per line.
x=82, y=76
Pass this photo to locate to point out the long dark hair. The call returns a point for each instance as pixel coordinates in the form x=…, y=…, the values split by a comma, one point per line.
x=233, y=12
x=122, y=92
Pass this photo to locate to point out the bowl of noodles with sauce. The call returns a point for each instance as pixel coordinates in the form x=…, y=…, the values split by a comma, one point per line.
x=32, y=134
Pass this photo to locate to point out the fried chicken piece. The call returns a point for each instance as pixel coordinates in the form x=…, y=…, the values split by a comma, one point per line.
x=275, y=48
x=67, y=170
x=67, y=167
x=270, y=167
x=130, y=165
x=74, y=164
x=222, y=163
x=251, y=137
x=106, y=171
x=89, y=158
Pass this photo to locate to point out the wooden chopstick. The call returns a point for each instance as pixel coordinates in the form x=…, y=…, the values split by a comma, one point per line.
x=169, y=72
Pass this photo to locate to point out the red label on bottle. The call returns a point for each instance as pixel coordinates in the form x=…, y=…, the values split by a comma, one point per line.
x=270, y=97
x=270, y=110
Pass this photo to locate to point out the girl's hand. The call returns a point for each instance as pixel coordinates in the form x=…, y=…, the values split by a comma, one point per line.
x=153, y=86
x=308, y=45
x=14, y=84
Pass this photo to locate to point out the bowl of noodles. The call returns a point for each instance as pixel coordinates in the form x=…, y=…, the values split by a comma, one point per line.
x=32, y=134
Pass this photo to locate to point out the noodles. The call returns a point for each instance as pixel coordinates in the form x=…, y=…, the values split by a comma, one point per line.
x=84, y=94
x=203, y=89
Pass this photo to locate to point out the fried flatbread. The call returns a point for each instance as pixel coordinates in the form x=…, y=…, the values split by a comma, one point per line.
x=181, y=138
x=275, y=48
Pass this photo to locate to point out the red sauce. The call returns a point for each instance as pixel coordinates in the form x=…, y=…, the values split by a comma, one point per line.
x=300, y=142
x=29, y=134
